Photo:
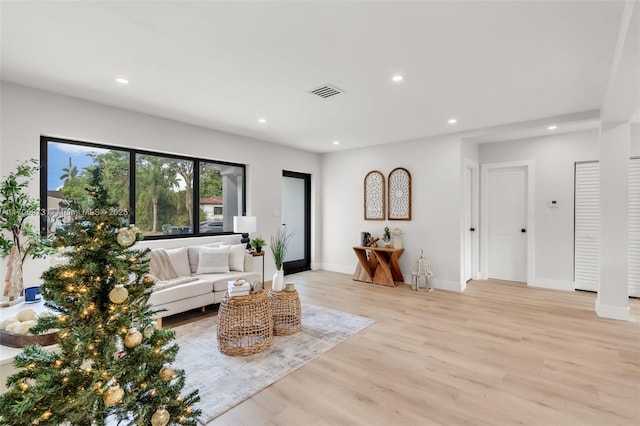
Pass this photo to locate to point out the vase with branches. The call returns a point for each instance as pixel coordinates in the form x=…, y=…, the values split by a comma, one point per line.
x=279, y=247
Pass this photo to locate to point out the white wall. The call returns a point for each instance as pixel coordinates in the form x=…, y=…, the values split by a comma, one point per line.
x=434, y=164
x=554, y=158
x=28, y=113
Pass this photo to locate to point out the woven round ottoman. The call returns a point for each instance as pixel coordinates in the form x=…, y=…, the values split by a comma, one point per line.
x=245, y=324
x=287, y=312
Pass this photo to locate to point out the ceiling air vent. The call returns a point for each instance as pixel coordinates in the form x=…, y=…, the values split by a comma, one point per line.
x=326, y=91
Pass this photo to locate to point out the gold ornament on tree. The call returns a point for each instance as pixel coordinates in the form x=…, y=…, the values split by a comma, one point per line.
x=113, y=395
x=167, y=373
x=126, y=237
x=148, y=279
x=160, y=417
x=133, y=338
x=118, y=294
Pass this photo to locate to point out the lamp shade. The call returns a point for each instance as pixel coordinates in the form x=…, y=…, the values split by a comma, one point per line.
x=244, y=224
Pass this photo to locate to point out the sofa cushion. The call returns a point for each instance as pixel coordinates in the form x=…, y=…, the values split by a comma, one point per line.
x=163, y=285
x=180, y=260
x=213, y=260
x=194, y=255
x=236, y=257
x=174, y=292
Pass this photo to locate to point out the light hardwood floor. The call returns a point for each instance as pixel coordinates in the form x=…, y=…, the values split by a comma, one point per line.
x=500, y=353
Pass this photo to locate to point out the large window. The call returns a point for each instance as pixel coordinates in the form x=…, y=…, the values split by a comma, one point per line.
x=158, y=190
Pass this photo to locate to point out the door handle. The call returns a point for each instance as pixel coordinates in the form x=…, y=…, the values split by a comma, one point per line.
x=472, y=229
x=523, y=230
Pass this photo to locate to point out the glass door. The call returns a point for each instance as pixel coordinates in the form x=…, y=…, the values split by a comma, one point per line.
x=296, y=220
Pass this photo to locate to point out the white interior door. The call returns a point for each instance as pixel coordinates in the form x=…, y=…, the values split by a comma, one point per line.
x=507, y=224
x=634, y=227
x=468, y=224
x=587, y=226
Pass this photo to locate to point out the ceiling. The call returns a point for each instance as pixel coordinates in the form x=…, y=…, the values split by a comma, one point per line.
x=224, y=65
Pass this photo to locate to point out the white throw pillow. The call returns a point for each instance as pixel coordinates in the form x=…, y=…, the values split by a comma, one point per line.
x=194, y=255
x=213, y=260
x=180, y=260
x=236, y=257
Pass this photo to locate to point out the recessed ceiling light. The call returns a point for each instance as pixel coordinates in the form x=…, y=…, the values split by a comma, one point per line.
x=336, y=142
x=122, y=80
x=262, y=120
x=397, y=78
x=452, y=121
x=552, y=127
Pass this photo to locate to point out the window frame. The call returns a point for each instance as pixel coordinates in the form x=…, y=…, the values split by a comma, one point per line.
x=44, y=158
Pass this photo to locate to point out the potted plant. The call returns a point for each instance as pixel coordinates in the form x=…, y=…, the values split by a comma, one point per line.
x=279, y=246
x=386, y=237
x=258, y=243
x=23, y=241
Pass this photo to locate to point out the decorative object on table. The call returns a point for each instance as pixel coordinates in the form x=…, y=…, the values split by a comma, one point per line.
x=256, y=287
x=239, y=287
x=287, y=312
x=397, y=241
x=32, y=295
x=386, y=237
x=374, y=196
x=93, y=328
x=245, y=225
x=373, y=242
x=279, y=247
x=399, y=194
x=289, y=287
x=421, y=272
x=258, y=243
x=23, y=240
x=14, y=331
x=364, y=238
x=245, y=324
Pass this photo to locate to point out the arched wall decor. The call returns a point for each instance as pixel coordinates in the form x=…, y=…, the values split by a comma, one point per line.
x=374, y=196
x=399, y=186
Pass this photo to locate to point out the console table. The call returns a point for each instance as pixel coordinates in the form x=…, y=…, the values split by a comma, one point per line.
x=380, y=266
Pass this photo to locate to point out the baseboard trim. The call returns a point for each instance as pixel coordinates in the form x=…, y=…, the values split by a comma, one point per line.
x=446, y=285
x=553, y=284
x=335, y=267
x=613, y=312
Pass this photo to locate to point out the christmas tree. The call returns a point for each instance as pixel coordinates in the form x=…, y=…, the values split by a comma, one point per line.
x=112, y=365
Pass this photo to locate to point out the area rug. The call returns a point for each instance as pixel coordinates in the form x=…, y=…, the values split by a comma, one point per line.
x=224, y=381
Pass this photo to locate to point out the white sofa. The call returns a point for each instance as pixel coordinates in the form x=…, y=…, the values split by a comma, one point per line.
x=202, y=273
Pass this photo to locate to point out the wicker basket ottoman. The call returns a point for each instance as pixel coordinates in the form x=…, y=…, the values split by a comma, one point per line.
x=287, y=312
x=245, y=324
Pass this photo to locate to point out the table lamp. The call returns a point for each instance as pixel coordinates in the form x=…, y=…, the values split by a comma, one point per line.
x=245, y=225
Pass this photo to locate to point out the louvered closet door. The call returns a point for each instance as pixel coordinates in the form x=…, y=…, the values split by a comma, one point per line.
x=634, y=227
x=587, y=226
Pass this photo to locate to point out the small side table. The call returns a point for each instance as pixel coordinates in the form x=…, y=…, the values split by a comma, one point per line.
x=261, y=255
x=287, y=313
x=245, y=324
